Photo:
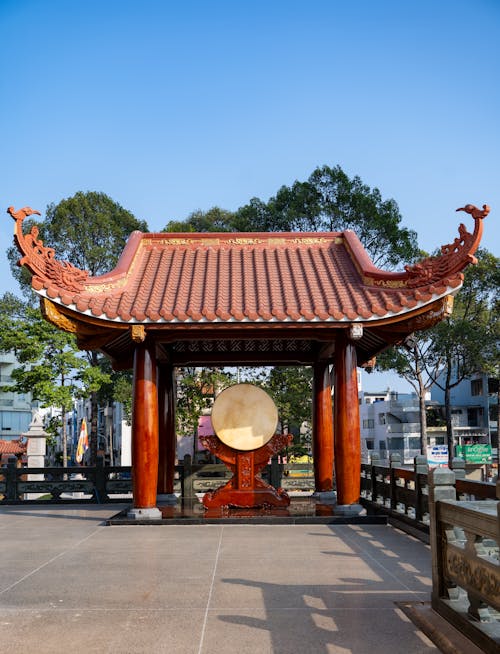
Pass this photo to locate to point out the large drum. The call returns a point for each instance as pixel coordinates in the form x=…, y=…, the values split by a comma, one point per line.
x=244, y=417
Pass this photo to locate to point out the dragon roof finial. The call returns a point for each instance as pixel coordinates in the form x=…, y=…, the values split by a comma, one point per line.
x=40, y=260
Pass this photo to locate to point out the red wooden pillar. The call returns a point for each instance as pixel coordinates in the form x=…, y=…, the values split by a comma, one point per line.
x=167, y=435
x=347, y=429
x=145, y=432
x=322, y=428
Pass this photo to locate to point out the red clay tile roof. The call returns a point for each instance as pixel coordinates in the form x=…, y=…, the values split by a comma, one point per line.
x=228, y=277
x=13, y=447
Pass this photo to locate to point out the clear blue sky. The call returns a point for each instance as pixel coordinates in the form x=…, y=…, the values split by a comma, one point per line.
x=173, y=106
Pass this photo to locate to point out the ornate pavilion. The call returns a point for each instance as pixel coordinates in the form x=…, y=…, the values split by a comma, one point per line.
x=245, y=299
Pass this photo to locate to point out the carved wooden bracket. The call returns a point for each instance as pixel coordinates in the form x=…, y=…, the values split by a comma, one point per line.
x=138, y=333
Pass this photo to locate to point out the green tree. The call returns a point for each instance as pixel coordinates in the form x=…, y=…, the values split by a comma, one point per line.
x=328, y=201
x=213, y=220
x=51, y=367
x=331, y=201
x=291, y=389
x=458, y=347
x=467, y=342
x=90, y=231
x=196, y=390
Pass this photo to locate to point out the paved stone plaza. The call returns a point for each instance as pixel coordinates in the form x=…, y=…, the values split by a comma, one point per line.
x=69, y=583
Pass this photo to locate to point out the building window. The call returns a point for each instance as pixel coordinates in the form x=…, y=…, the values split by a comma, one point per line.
x=370, y=443
x=381, y=418
x=474, y=417
x=397, y=443
x=382, y=445
x=369, y=423
x=476, y=387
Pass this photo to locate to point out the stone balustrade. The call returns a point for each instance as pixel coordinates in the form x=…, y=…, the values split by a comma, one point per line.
x=465, y=538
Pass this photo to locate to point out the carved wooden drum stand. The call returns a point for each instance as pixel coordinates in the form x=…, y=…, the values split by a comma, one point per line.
x=245, y=418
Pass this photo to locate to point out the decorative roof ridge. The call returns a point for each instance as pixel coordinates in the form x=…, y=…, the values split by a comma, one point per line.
x=449, y=264
x=239, y=238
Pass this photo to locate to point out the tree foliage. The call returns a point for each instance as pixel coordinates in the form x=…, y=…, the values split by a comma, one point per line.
x=467, y=342
x=291, y=389
x=329, y=200
x=196, y=389
x=51, y=367
x=464, y=344
x=213, y=220
x=88, y=229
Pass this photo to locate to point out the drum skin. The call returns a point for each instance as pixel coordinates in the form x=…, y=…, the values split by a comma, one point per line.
x=244, y=417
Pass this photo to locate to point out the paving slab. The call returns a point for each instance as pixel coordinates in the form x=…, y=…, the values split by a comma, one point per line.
x=71, y=582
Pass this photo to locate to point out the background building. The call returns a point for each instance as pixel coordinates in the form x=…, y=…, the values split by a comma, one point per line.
x=390, y=424
x=15, y=408
x=474, y=410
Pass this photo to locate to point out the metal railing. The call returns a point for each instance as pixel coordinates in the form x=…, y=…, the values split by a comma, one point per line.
x=97, y=484
x=100, y=484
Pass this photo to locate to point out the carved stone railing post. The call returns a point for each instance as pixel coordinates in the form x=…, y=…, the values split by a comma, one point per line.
x=394, y=462
x=374, y=461
x=441, y=487
x=458, y=467
x=420, y=468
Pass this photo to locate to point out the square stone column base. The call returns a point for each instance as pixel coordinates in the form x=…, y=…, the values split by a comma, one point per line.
x=325, y=497
x=152, y=513
x=349, y=509
x=166, y=498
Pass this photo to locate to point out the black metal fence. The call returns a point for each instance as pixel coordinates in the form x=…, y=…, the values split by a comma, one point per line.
x=101, y=484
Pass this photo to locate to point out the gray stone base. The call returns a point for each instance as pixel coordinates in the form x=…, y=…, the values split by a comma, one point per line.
x=325, y=497
x=349, y=509
x=166, y=498
x=144, y=514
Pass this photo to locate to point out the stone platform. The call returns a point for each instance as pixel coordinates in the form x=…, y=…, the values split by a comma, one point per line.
x=70, y=583
x=302, y=510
